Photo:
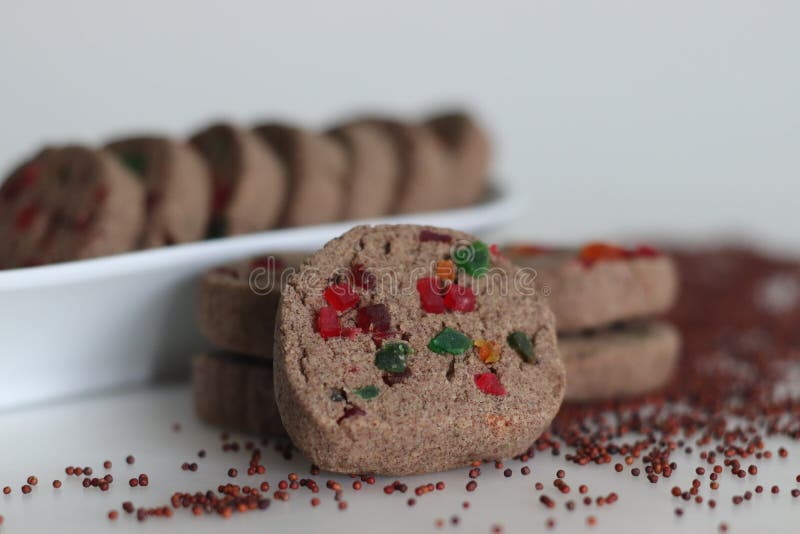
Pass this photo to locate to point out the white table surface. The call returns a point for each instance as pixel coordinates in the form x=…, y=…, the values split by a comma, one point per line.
x=43, y=440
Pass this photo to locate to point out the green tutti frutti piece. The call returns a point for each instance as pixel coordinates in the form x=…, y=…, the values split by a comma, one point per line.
x=450, y=341
x=392, y=357
x=473, y=259
x=367, y=392
x=135, y=163
x=521, y=342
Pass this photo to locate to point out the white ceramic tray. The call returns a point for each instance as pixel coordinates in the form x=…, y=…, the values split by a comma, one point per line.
x=123, y=320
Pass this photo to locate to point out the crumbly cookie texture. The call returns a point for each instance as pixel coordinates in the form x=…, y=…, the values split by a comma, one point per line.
x=620, y=362
x=235, y=392
x=249, y=181
x=399, y=350
x=177, y=187
x=237, y=303
x=69, y=203
x=600, y=284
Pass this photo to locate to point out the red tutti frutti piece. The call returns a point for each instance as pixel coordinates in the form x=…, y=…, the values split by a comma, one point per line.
x=26, y=217
x=220, y=198
x=328, y=323
x=430, y=295
x=459, y=298
x=594, y=252
x=374, y=317
x=428, y=235
x=646, y=251
x=350, y=332
x=490, y=384
x=379, y=337
x=341, y=297
x=362, y=277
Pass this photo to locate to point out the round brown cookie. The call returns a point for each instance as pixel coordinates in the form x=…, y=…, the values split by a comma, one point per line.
x=619, y=362
x=316, y=166
x=249, y=183
x=237, y=303
x=384, y=365
x=67, y=204
x=373, y=167
x=424, y=180
x=177, y=186
x=600, y=284
x=235, y=392
x=470, y=152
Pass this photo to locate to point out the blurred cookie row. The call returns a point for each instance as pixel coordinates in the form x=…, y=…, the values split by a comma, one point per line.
x=75, y=202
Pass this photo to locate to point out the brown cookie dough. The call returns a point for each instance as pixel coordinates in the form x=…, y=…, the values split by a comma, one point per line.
x=237, y=303
x=249, y=182
x=619, y=362
x=470, y=151
x=316, y=167
x=373, y=169
x=381, y=385
x=600, y=284
x=67, y=204
x=235, y=392
x=424, y=180
x=177, y=186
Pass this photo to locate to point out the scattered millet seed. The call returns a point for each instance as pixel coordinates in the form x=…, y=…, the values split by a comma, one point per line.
x=133, y=482
x=314, y=501
x=26, y=489
x=32, y=480
x=112, y=515
x=465, y=505
x=471, y=485
x=591, y=520
x=56, y=484
x=679, y=512
x=507, y=473
x=343, y=505
x=618, y=467
x=759, y=488
x=560, y=473
x=775, y=489
x=635, y=471
x=539, y=486
x=525, y=470
x=107, y=464
x=127, y=506
x=550, y=523
x=130, y=459
x=233, y=473
x=7, y=490
x=412, y=501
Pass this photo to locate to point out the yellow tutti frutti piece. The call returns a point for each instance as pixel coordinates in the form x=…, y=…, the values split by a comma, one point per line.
x=446, y=270
x=488, y=350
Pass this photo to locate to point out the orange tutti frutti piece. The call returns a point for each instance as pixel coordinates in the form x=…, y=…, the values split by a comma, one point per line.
x=488, y=350
x=528, y=250
x=446, y=270
x=593, y=252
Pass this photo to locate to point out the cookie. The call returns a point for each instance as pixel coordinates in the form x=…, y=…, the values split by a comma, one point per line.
x=249, y=182
x=470, y=151
x=177, y=186
x=600, y=284
x=400, y=350
x=372, y=170
x=631, y=360
x=237, y=303
x=316, y=167
x=424, y=178
x=69, y=203
x=235, y=392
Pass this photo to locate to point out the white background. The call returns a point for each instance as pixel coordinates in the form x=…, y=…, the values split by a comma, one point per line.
x=611, y=117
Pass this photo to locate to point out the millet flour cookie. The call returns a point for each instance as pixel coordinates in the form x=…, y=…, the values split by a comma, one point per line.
x=237, y=303
x=177, y=186
x=316, y=167
x=249, y=182
x=470, y=151
x=630, y=360
x=372, y=171
x=235, y=392
x=407, y=349
x=600, y=284
x=67, y=204
x=424, y=177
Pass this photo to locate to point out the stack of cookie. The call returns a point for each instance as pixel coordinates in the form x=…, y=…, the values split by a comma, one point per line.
x=147, y=191
x=604, y=298
x=394, y=352
x=237, y=306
